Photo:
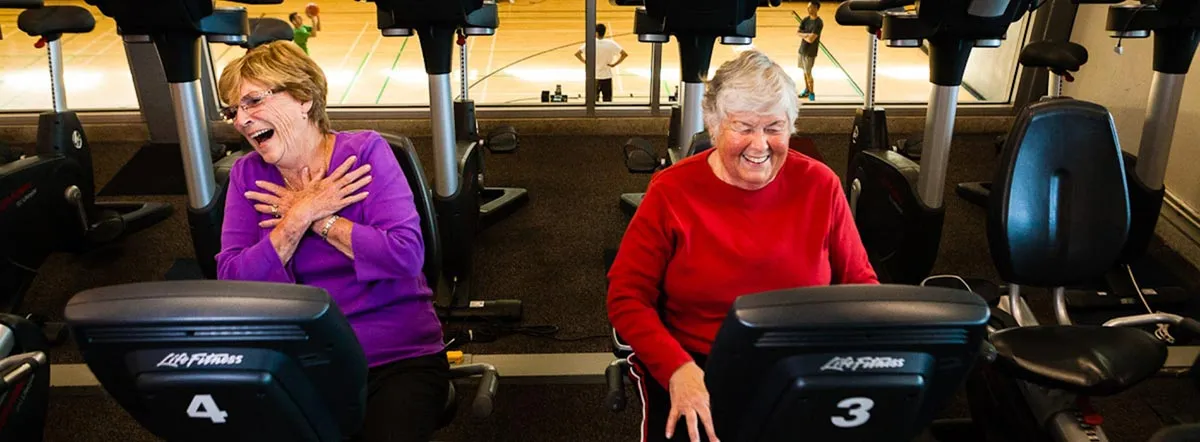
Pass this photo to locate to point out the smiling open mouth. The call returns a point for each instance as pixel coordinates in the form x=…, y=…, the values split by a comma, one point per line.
x=263, y=135
x=757, y=160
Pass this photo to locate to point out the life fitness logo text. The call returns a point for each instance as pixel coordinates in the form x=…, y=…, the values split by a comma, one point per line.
x=177, y=360
x=847, y=363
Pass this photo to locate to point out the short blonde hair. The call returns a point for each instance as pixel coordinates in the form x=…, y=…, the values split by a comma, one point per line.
x=752, y=82
x=279, y=65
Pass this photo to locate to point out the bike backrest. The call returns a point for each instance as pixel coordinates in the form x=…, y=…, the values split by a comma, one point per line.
x=1059, y=209
x=410, y=163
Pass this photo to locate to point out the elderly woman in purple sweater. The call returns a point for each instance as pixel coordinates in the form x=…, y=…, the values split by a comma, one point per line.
x=333, y=210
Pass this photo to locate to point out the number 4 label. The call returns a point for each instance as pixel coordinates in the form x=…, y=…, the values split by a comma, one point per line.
x=859, y=409
x=203, y=406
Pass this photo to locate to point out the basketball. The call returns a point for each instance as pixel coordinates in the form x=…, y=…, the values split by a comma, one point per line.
x=312, y=10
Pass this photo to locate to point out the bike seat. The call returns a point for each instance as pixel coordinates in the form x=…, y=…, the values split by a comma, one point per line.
x=55, y=20
x=1058, y=56
x=266, y=30
x=845, y=16
x=1086, y=360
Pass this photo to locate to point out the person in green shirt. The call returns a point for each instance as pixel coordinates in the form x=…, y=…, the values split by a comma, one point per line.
x=302, y=32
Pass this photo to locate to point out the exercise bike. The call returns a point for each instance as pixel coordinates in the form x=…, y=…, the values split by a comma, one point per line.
x=686, y=135
x=870, y=129
x=1060, y=59
x=464, y=205
x=48, y=200
x=177, y=43
x=257, y=383
x=897, y=204
x=340, y=378
x=1040, y=384
x=1175, y=25
x=497, y=203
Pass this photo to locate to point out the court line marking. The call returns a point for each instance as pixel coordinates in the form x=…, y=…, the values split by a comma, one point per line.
x=849, y=79
x=388, y=78
x=488, y=68
x=537, y=54
x=361, y=65
x=106, y=48
x=346, y=58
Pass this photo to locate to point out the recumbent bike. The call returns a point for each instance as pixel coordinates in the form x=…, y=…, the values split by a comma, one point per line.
x=1058, y=215
x=245, y=360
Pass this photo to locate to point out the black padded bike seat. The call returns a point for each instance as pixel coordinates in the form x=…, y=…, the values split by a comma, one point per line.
x=845, y=16
x=1086, y=360
x=1055, y=55
x=55, y=20
x=267, y=30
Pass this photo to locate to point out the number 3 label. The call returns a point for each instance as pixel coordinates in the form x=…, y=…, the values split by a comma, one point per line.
x=203, y=406
x=859, y=409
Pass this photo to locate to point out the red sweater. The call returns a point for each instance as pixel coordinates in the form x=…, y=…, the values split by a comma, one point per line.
x=697, y=243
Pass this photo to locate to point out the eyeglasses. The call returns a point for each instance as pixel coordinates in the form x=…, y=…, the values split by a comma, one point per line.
x=248, y=102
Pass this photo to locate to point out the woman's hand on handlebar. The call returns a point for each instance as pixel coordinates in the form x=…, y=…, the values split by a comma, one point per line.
x=689, y=400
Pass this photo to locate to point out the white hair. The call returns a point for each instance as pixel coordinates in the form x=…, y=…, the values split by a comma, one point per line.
x=752, y=82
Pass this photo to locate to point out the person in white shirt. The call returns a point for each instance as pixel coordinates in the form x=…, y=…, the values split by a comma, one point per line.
x=606, y=49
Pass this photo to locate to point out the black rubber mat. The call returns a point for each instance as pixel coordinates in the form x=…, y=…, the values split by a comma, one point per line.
x=156, y=169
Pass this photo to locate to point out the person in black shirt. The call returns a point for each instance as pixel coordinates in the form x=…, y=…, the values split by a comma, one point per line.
x=810, y=40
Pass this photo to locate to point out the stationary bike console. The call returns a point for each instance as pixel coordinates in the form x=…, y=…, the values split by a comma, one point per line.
x=848, y=362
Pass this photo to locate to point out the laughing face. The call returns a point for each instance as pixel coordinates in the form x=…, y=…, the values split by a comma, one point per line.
x=750, y=149
x=272, y=120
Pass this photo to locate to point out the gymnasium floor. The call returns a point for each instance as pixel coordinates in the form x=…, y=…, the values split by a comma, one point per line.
x=532, y=51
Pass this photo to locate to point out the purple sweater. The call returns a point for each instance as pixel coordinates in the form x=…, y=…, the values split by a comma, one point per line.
x=382, y=291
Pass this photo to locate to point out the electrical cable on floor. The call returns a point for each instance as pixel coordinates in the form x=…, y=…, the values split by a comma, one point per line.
x=22, y=266
x=1163, y=332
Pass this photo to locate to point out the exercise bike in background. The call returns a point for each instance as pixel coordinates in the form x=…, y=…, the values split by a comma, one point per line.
x=48, y=200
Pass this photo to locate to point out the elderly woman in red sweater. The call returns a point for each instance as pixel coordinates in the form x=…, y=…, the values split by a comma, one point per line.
x=747, y=216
